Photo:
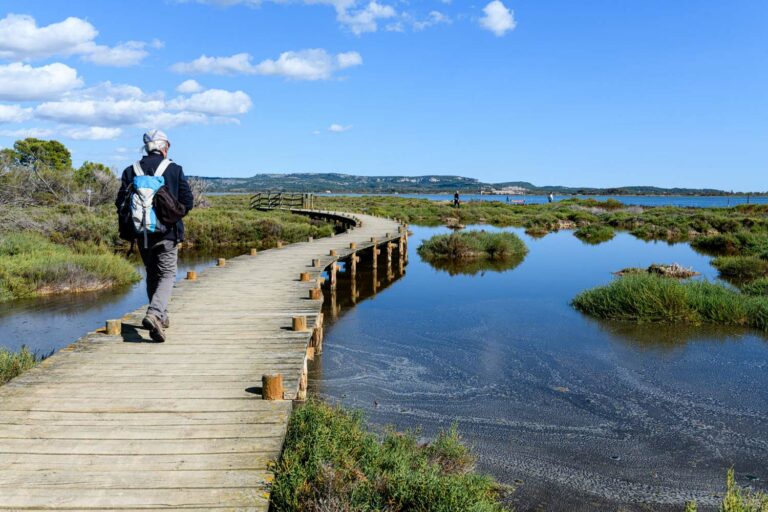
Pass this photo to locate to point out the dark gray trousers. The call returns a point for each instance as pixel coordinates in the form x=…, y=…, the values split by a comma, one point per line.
x=160, y=261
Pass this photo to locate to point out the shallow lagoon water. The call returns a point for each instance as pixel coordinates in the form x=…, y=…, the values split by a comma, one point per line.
x=577, y=414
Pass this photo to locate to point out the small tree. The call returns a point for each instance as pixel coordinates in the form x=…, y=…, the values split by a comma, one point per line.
x=99, y=179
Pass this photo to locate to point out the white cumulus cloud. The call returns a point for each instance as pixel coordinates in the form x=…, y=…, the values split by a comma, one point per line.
x=14, y=114
x=110, y=105
x=312, y=64
x=189, y=87
x=21, y=39
x=22, y=82
x=498, y=18
x=315, y=64
x=215, y=102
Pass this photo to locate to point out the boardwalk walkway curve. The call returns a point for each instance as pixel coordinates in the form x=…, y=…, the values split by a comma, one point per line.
x=114, y=422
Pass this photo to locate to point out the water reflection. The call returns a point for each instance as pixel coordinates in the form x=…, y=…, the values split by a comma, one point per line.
x=477, y=266
x=670, y=337
x=578, y=414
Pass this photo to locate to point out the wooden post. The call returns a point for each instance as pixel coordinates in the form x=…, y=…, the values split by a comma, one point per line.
x=305, y=276
x=353, y=259
x=352, y=245
x=222, y=262
x=192, y=275
x=315, y=294
x=375, y=260
x=332, y=252
x=272, y=387
x=254, y=252
x=334, y=309
x=299, y=323
x=302, y=394
x=390, y=247
x=114, y=327
x=373, y=239
x=375, y=280
x=353, y=291
x=279, y=244
x=334, y=268
x=317, y=335
x=310, y=239
x=315, y=262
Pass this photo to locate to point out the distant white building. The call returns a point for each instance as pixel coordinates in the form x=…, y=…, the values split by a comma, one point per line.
x=510, y=191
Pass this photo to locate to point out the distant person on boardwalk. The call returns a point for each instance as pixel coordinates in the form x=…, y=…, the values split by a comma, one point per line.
x=456, y=200
x=551, y=197
x=154, y=196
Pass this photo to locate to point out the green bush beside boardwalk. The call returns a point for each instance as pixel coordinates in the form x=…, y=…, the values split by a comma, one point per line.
x=331, y=461
x=13, y=364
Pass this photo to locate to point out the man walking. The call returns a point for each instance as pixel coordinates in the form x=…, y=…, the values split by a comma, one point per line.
x=158, y=243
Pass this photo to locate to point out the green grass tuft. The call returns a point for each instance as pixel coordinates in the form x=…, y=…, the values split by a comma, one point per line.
x=651, y=298
x=331, y=462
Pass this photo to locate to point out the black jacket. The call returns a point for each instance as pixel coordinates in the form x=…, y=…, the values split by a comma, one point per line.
x=177, y=185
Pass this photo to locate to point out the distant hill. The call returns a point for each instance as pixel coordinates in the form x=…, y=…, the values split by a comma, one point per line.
x=334, y=182
x=348, y=183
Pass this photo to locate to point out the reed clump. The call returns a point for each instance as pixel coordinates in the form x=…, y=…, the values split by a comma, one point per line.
x=331, y=461
x=653, y=298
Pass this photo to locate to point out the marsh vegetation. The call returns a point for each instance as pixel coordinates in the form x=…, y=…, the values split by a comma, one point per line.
x=331, y=461
x=653, y=298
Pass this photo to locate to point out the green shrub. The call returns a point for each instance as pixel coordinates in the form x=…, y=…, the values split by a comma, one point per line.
x=13, y=364
x=739, y=500
x=331, y=462
x=472, y=245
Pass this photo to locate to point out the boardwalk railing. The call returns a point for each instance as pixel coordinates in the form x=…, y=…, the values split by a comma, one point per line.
x=286, y=200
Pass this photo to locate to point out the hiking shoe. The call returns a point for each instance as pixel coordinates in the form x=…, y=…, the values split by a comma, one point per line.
x=155, y=327
x=166, y=322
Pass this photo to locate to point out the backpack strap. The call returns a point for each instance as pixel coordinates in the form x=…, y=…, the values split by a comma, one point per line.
x=137, y=169
x=163, y=166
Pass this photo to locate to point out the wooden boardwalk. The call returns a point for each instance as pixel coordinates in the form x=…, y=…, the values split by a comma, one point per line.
x=115, y=422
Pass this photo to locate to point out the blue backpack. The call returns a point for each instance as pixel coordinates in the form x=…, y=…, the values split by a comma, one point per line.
x=145, y=188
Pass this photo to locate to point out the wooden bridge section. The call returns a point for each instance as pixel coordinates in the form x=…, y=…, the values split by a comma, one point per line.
x=117, y=422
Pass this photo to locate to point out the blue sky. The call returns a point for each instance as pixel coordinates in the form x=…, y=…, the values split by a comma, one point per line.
x=599, y=93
